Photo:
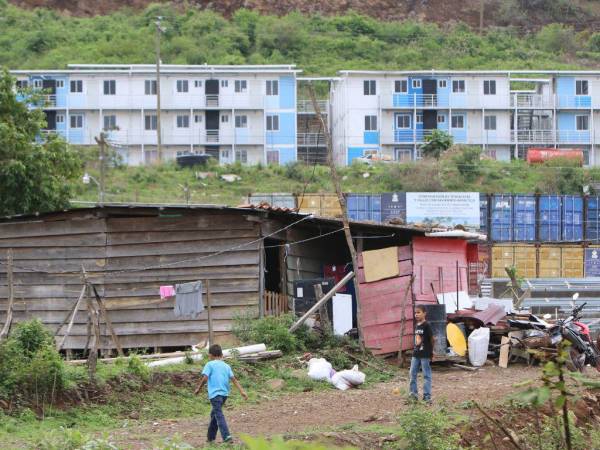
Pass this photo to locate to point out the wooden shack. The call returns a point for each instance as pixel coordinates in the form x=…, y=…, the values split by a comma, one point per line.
x=128, y=252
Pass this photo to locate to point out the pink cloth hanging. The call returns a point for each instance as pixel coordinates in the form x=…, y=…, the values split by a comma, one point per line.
x=167, y=291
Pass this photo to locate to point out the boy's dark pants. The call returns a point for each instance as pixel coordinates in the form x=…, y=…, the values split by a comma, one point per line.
x=217, y=419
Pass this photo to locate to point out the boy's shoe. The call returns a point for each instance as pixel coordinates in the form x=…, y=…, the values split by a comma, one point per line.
x=228, y=439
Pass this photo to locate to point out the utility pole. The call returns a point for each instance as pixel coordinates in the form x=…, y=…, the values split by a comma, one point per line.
x=481, y=7
x=159, y=30
x=102, y=144
x=342, y=200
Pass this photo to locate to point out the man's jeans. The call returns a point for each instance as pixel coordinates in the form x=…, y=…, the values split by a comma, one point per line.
x=417, y=364
x=217, y=419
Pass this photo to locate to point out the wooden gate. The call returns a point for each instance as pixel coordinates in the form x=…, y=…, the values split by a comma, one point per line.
x=275, y=303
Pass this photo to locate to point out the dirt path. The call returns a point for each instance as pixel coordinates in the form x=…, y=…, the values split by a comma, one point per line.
x=295, y=413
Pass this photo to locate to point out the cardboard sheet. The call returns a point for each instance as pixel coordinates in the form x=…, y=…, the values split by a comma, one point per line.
x=342, y=314
x=381, y=264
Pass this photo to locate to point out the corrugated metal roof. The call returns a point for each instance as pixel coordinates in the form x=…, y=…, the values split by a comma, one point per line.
x=490, y=316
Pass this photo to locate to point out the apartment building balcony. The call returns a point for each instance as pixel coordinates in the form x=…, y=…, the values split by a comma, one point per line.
x=574, y=101
x=528, y=101
x=169, y=101
x=551, y=137
x=307, y=107
x=400, y=101
x=49, y=100
x=312, y=140
x=198, y=137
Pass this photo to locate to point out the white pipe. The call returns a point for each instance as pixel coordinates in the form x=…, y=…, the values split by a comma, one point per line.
x=246, y=350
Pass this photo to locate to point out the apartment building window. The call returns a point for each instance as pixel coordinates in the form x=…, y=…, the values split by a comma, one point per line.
x=22, y=84
x=198, y=118
x=370, y=123
x=582, y=123
x=150, y=87
x=458, y=121
x=60, y=84
x=76, y=86
x=403, y=121
x=416, y=84
x=370, y=87
x=60, y=118
x=183, y=121
x=442, y=84
x=272, y=123
x=150, y=122
x=110, y=87
x=225, y=118
x=241, y=121
x=458, y=86
x=272, y=87
x=224, y=83
x=581, y=87
x=197, y=83
x=76, y=121
x=273, y=157
x=401, y=86
x=419, y=118
x=182, y=86
x=241, y=86
x=489, y=123
x=241, y=156
x=402, y=154
x=110, y=122
x=441, y=118
x=37, y=84
x=489, y=87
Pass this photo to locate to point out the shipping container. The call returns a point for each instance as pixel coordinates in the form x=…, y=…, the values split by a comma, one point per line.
x=572, y=229
x=592, y=219
x=524, y=218
x=363, y=207
x=572, y=261
x=522, y=256
x=324, y=205
x=279, y=200
x=483, y=213
x=501, y=217
x=550, y=218
x=550, y=261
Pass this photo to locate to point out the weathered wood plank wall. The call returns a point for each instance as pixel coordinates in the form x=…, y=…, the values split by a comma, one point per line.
x=172, y=248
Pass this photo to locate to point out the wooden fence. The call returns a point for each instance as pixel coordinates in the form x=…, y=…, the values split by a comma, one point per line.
x=276, y=303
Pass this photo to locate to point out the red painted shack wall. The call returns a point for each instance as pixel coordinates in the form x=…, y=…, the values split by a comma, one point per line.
x=434, y=262
x=381, y=307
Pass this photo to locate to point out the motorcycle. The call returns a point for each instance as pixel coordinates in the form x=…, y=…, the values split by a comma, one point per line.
x=583, y=350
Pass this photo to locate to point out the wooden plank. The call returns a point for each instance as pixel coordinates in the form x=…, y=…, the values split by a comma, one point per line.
x=180, y=326
x=57, y=228
x=187, y=223
x=504, y=351
x=176, y=236
x=75, y=240
x=181, y=248
x=201, y=259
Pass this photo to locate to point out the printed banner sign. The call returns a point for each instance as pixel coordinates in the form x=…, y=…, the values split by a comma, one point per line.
x=393, y=206
x=443, y=208
x=592, y=262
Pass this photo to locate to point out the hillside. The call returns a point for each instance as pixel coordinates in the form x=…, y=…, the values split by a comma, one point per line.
x=521, y=13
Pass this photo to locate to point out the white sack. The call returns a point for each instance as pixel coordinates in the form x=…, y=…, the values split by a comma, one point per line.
x=346, y=379
x=479, y=341
x=319, y=369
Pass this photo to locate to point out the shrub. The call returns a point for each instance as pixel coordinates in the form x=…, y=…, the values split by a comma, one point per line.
x=137, y=367
x=30, y=367
x=423, y=428
x=271, y=330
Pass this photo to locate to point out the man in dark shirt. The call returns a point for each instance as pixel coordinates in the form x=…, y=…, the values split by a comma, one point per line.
x=422, y=354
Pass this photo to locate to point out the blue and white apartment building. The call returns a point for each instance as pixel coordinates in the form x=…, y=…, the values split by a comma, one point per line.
x=391, y=112
x=235, y=113
x=252, y=114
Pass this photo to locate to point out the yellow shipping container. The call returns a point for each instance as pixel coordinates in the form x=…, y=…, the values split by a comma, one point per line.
x=572, y=262
x=526, y=260
x=550, y=261
x=325, y=205
x=502, y=256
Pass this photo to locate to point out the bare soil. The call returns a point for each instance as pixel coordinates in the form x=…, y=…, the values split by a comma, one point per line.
x=320, y=411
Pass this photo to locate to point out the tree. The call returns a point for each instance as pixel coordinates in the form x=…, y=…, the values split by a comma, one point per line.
x=436, y=144
x=35, y=173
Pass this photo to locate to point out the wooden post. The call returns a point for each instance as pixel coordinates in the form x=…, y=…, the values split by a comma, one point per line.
x=108, y=322
x=93, y=356
x=73, y=314
x=403, y=320
x=11, y=294
x=325, y=322
x=211, y=336
x=342, y=200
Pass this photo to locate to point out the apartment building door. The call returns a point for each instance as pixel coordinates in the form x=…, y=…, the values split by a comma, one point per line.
x=429, y=119
x=212, y=127
x=429, y=87
x=211, y=93
x=50, y=120
x=49, y=86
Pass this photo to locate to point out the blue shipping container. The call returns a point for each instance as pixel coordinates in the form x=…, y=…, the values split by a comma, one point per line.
x=524, y=218
x=592, y=219
x=501, y=217
x=572, y=229
x=550, y=218
x=483, y=213
x=364, y=207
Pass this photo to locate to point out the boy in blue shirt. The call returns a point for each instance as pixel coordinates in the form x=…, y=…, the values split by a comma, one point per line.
x=217, y=374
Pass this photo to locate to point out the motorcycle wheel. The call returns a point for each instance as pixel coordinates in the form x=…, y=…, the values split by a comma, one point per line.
x=576, y=361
